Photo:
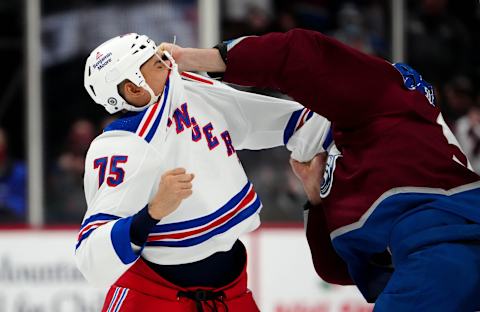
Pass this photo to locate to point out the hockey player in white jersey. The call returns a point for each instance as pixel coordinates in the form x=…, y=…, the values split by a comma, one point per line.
x=167, y=196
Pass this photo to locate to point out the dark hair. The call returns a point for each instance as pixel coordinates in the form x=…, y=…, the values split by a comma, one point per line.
x=121, y=88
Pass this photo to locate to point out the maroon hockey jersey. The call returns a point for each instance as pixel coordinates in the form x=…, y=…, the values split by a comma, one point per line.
x=390, y=134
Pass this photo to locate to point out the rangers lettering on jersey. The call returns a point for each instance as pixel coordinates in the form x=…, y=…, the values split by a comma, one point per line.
x=183, y=120
x=197, y=124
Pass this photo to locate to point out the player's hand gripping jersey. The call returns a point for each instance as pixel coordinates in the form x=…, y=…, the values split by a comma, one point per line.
x=395, y=153
x=198, y=124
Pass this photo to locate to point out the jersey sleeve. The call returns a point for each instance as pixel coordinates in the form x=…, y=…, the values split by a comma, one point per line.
x=311, y=138
x=327, y=263
x=338, y=82
x=258, y=122
x=118, y=183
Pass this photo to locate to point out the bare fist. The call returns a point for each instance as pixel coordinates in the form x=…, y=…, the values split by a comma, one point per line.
x=175, y=186
x=311, y=175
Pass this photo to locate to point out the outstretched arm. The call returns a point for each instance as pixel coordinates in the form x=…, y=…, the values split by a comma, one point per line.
x=346, y=86
x=191, y=59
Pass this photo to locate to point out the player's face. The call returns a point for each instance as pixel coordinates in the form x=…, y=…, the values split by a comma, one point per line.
x=155, y=73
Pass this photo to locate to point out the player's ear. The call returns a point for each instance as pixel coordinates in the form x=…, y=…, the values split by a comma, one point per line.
x=132, y=90
x=133, y=94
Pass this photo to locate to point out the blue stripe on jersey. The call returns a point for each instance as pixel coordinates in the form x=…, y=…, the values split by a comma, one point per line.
x=120, y=302
x=233, y=42
x=84, y=236
x=309, y=115
x=291, y=125
x=98, y=217
x=328, y=140
x=89, y=220
x=241, y=216
x=183, y=225
x=113, y=299
x=152, y=131
x=127, y=122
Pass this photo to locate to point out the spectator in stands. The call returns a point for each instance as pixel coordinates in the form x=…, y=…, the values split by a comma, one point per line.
x=258, y=21
x=467, y=131
x=438, y=43
x=458, y=98
x=376, y=25
x=12, y=184
x=310, y=14
x=67, y=201
x=352, y=30
x=285, y=20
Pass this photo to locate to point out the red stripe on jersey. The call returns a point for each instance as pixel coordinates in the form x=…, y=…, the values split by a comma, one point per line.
x=88, y=227
x=302, y=119
x=196, y=78
x=149, y=118
x=243, y=203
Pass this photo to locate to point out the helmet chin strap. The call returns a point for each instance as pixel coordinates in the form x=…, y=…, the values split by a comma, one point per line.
x=153, y=98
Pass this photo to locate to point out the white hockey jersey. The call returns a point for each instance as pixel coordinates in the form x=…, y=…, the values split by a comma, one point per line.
x=198, y=124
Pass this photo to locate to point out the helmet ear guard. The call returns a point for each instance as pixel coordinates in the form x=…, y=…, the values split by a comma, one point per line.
x=114, y=61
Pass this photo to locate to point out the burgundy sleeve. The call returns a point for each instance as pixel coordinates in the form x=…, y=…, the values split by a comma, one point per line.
x=336, y=81
x=328, y=264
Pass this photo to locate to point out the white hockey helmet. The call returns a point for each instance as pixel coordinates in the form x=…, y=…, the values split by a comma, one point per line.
x=114, y=61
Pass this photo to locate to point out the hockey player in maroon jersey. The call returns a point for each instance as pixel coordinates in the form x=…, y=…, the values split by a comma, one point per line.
x=397, y=210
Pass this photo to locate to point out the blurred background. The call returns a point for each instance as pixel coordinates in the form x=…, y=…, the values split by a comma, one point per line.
x=47, y=122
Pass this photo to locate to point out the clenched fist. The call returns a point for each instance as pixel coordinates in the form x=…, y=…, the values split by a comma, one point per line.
x=311, y=175
x=175, y=186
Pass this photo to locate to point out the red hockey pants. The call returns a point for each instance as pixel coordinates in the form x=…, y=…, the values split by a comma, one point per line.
x=141, y=289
